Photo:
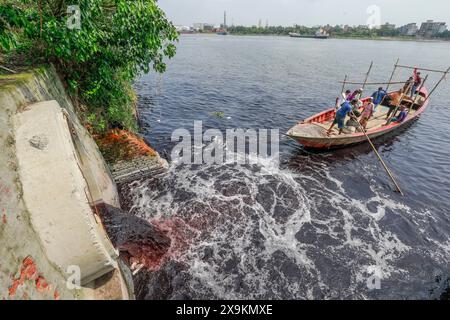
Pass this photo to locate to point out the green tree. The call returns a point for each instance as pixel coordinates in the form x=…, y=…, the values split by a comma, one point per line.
x=117, y=41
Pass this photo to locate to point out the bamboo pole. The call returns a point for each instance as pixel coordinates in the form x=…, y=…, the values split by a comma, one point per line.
x=422, y=69
x=431, y=92
x=437, y=85
x=399, y=103
x=389, y=83
x=342, y=91
x=392, y=75
x=375, y=83
x=372, y=145
x=367, y=75
x=388, y=171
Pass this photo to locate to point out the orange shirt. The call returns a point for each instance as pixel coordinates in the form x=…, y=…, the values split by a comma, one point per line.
x=395, y=96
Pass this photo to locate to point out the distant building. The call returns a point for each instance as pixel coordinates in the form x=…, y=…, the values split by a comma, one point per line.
x=203, y=26
x=431, y=28
x=410, y=29
x=184, y=29
x=388, y=26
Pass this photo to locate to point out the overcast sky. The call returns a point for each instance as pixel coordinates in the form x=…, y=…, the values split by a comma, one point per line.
x=304, y=12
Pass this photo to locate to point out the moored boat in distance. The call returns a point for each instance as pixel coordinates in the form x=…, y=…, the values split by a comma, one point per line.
x=320, y=34
x=312, y=132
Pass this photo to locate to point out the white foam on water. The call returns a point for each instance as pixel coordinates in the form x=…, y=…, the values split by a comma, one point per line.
x=257, y=211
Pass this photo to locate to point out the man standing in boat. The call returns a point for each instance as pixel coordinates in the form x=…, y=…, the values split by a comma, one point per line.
x=344, y=110
x=393, y=102
x=378, y=97
x=368, y=112
x=417, y=82
x=408, y=85
x=355, y=95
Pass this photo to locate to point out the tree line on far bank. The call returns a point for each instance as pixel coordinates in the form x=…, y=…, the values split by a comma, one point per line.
x=334, y=31
x=98, y=56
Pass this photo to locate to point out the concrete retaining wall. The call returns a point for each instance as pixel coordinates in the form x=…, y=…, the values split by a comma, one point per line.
x=51, y=177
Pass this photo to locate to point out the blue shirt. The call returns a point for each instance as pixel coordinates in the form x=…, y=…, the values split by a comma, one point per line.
x=378, y=96
x=345, y=109
x=402, y=116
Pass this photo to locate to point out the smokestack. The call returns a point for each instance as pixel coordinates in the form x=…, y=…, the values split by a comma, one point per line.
x=224, y=19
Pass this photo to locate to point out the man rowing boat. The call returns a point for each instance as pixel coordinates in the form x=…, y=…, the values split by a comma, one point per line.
x=345, y=109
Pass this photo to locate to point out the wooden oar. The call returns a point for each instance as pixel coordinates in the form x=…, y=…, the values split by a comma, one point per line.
x=379, y=157
x=372, y=145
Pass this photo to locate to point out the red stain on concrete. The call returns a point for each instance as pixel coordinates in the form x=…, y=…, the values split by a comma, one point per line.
x=4, y=190
x=41, y=285
x=29, y=271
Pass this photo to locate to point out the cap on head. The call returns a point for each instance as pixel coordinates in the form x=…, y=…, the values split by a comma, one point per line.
x=354, y=101
x=380, y=88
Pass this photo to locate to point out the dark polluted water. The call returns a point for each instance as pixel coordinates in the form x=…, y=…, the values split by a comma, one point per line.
x=316, y=225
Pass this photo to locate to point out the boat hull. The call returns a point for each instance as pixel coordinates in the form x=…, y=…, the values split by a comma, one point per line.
x=293, y=35
x=345, y=140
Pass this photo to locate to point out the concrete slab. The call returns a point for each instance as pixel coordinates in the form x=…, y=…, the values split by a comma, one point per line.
x=57, y=194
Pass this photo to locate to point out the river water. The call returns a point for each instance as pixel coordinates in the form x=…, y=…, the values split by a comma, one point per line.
x=319, y=225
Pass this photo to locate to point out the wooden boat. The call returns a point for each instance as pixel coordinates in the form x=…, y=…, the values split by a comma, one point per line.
x=312, y=132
